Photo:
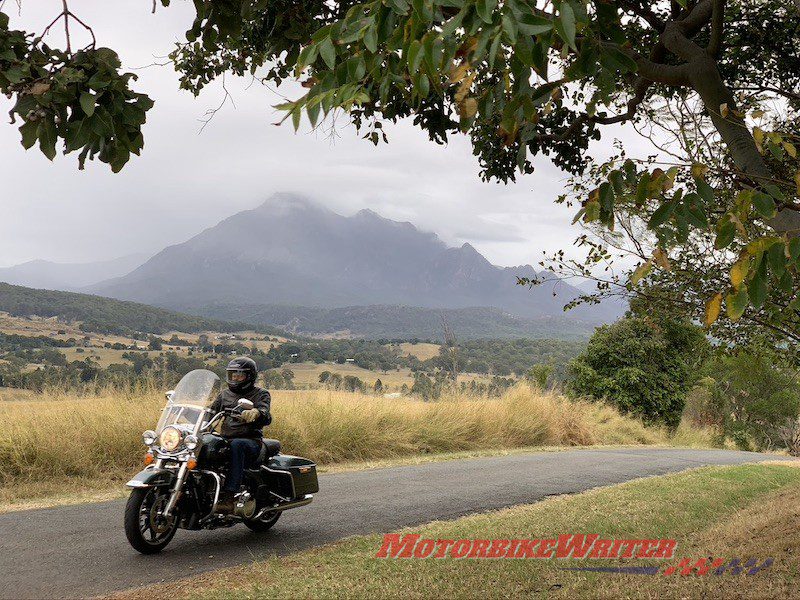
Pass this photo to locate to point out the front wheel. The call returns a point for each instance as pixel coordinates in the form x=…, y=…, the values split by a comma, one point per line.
x=264, y=523
x=145, y=527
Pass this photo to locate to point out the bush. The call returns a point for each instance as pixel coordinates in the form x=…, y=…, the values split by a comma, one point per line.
x=755, y=398
x=641, y=366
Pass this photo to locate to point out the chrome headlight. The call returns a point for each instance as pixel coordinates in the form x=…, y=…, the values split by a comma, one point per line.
x=170, y=439
x=190, y=442
x=149, y=437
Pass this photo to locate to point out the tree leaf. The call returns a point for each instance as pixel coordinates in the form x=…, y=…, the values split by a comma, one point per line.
x=706, y=191
x=48, y=137
x=739, y=271
x=534, y=25
x=661, y=215
x=757, y=288
x=713, y=308
x=641, y=272
x=566, y=18
x=87, y=103
x=764, y=205
x=662, y=260
x=30, y=133
x=726, y=231
x=414, y=56
x=485, y=10
x=736, y=303
x=328, y=52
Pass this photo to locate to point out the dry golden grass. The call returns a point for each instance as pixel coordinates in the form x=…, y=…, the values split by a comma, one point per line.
x=62, y=437
x=422, y=350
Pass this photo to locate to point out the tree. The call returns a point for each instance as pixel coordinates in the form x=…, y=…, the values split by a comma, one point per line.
x=522, y=78
x=378, y=387
x=539, y=375
x=641, y=366
x=756, y=397
x=155, y=344
x=351, y=383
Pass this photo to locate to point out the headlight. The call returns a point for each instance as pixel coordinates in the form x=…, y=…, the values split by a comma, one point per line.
x=149, y=437
x=190, y=442
x=170, y=439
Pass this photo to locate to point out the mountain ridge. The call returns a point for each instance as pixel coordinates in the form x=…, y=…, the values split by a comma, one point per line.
x=51, y=275
x=292, y=251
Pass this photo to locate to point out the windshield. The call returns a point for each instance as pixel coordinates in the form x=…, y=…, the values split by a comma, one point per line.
x=192, y=396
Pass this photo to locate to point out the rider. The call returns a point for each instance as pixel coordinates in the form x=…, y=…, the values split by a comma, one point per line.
x=243, y=431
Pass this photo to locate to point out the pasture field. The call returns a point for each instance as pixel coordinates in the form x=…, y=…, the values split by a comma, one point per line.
x=307, y=375
x=422, y=350
x=63, y=438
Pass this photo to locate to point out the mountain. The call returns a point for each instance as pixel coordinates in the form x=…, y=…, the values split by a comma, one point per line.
x=49, y=275
x=106, y=315
x=292, y=251
x=400, y=322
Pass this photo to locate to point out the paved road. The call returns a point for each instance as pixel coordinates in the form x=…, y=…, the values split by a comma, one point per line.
x=81, y=550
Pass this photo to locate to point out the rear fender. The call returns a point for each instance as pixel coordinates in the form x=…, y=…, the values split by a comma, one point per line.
x=152, y=478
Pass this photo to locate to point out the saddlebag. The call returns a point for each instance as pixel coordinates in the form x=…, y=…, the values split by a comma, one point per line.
x=302, y=473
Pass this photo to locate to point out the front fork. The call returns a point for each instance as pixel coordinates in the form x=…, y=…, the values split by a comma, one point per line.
x=177, y=490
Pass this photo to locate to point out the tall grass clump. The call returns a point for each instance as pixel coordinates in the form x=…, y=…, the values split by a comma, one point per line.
x=57, y=435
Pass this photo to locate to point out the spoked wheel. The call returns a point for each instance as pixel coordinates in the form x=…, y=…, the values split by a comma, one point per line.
x=145, y=527
x=265, y=522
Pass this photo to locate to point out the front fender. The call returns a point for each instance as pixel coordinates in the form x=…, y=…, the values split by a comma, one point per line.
x=152, y=478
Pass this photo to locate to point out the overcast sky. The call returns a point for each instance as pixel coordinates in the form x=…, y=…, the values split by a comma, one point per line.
x=186, y=181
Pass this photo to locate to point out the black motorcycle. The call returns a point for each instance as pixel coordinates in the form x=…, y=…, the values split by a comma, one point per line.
x=185, y=468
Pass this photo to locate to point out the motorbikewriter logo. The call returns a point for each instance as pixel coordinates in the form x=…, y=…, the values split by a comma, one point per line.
x=568, y=546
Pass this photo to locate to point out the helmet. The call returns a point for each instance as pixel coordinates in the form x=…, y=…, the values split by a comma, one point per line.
x=238, y=367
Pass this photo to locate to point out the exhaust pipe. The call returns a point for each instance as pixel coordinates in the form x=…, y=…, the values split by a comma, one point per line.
x=281, y=507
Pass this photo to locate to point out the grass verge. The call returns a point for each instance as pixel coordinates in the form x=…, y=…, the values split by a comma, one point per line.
x=743, y=511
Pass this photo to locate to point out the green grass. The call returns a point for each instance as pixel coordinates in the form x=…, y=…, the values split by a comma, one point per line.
x=701, y=509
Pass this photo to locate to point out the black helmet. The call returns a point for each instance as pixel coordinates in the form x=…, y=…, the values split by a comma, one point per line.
x=237, y=367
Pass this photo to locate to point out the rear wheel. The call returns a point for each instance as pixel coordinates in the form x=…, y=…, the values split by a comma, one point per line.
x=145, y=527
x=264, y=523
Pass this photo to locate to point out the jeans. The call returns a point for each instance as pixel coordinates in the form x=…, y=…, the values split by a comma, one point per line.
x=244, y=452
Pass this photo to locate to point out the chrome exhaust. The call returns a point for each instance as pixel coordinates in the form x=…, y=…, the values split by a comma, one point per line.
x=281, y=507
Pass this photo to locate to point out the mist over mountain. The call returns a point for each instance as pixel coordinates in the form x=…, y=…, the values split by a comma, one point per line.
x=292, y=251
x=48, y=275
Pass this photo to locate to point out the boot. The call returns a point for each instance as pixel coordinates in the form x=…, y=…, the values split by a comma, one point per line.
x=225, y=504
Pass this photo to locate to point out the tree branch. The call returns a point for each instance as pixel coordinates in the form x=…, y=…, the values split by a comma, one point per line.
x=697, y=17
x=717, y=18
x=656, y=72
x=639, y=93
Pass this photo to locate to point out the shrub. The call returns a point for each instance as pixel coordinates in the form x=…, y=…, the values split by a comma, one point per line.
x=641, y=366
x=755, y=398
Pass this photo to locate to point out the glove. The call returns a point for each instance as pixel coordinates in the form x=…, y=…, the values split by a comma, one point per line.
x=250, y=415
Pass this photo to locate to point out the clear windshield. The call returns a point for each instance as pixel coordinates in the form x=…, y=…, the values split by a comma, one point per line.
x=192, y=396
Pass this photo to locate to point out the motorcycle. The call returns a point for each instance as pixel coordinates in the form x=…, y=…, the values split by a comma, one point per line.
x=185, y=466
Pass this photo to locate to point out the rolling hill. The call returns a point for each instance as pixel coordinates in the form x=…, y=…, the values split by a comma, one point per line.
x=106, y=315
x=401, y=322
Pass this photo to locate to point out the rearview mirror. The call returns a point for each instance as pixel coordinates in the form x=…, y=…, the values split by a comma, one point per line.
x=169, y=394
x=245, y=404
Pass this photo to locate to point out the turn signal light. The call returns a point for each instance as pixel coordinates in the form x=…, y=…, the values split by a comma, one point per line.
x=191, y=464
x=148, y=459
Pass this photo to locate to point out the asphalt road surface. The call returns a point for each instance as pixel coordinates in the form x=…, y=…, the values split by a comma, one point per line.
x=79, y=551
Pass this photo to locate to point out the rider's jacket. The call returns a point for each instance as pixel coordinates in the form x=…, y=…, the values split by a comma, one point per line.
x=233, y=427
